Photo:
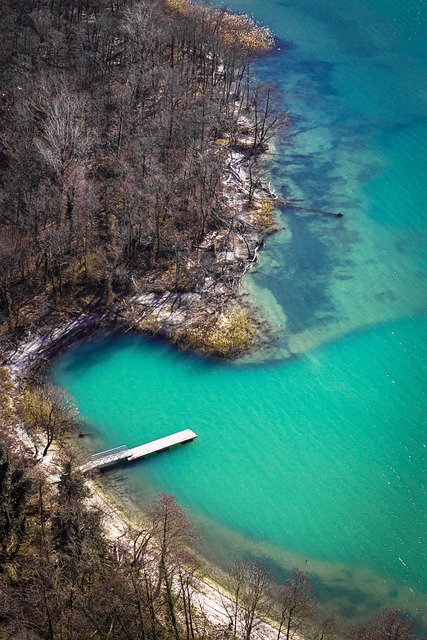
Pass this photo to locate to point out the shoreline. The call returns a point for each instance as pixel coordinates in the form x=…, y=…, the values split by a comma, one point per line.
x=169, y=314
x=32, y=357
x=211, y=595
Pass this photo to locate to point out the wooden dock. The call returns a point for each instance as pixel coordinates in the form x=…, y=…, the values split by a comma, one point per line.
x=99, y=460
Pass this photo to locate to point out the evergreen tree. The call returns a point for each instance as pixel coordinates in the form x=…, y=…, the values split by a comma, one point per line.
x=15, y=489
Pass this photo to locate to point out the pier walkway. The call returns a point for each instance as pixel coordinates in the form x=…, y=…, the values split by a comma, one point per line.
x=104, y=458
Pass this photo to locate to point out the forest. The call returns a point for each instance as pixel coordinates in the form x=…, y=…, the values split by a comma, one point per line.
x=118, y=120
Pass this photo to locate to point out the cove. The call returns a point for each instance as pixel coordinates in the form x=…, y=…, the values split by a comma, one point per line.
x=315, y=455
x=303, y=460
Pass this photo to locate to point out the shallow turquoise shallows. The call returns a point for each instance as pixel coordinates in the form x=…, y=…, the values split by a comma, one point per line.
x=314, y=455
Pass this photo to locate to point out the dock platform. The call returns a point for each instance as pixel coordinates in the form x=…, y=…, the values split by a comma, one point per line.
x=104, y=458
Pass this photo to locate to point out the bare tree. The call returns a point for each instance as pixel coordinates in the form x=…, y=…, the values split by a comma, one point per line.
x=15, y=281
x=173, y=534
x=48, y=410
x=62, y=136
x=325, y=629
x=249, y=586
x=268, y=115
x=189, y=576
x=387, y=624
x=297, y=605
x=135, y=558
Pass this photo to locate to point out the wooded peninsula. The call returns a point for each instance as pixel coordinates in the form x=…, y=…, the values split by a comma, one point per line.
x=132, y=193
x=124, y=126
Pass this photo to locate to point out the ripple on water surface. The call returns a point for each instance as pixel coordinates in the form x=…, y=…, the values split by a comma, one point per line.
x=319, y=459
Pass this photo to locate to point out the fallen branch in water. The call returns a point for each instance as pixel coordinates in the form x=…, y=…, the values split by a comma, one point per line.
x=338, y=214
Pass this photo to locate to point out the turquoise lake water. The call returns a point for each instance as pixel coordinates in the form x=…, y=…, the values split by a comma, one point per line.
x=317, y=460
